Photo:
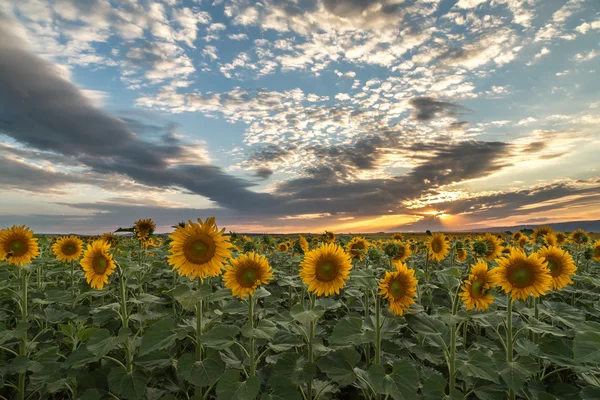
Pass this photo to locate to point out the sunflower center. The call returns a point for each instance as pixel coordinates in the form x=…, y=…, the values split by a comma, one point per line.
x=100, y=263
x=554, y=266
x=247, y=277
x=521, y=277
x=326, y=271
x=199, y=249
x=17, y=247
x=436, y=246
x=69, y=250
x=400, y=252
x=477, y=286
x=396, y=289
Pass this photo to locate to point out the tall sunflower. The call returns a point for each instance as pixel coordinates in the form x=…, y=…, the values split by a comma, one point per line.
x=282, y=247
x=144, y=227
x=517, y=235
x=438, y=246
x=550, y=239
x=475, y=292
x=560, y=264
x=523, y=240
x=98, y=264
x=17, y=245
x=561, y=238
x=522, y=275
x=329, y=237
x=397, y=236
x=357, y=247
x=68, y=248
x=579, y=236
x=494, y=248
x=402, y=253
x=109, y=238
x=246, y=273
x=540, y=232
x=199, y=249
x=303, y=243
x=326, y=269
x=461, y=255
x=399, y=288
x=596, y=250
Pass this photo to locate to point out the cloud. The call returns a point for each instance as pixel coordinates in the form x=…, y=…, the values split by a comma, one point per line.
x=427, y=108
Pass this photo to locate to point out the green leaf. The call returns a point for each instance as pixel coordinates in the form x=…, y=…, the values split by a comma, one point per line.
x=306, y=316
x=147, y=298
x=159, y=336
x=283, y=341
x=85, y=334
x=201, y=373
x=90, y=394
x=562, y=313
x=295, y=368
x=434, y=387
x=220, y=337
x=101, y=342
x=264, y=330
x=348, y=331
x=540, y=327
x=558, y=351
x=80, y=358
x=281, y=389
x=401, y=384
x=339, y=365
x=230, y=388
x=516, y=373
x=129, y=385
x=590, y=393
x=17, y=333
x=479, y=366
x=20, y=364
x=586, y=347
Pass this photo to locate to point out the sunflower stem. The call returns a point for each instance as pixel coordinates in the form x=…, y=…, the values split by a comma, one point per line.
x=452, y=357
x=367, y=345
x=73, y=278
x=311, y=334
x=509, y=337
x=377, y=331
x=251, y=321
x=199, y=312
x=125, y=317
x=24, y=318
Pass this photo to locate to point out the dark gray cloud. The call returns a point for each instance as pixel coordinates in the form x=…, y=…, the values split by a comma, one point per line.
x=263, y=173
x=428, y=108
x=270, y=153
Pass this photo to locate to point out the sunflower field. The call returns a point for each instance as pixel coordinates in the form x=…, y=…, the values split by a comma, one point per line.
x=201, y=314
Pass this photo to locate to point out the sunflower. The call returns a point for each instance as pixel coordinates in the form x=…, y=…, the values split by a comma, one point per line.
x=98, y=264
x=494, y=248
x=399, y=288
x=199, y=249
x=326, y=269
x=397, y=236
x=561, y=238
x=402, y=253
x=522, y=275
x=596, y=250
x=461, y=255
x=245, y=274
x=357, y=247
x=579, y=236
x=68, y=248
x=550, y=239
x=475, y=292
x=282, y=247
x=329, y=237
x=560, y=264
x=523, y=240
x=17, y=245
x=144, y=227
x=303, y=243
x=541, y=231
x=438, y=246
x=109, y=238
x=517, y=235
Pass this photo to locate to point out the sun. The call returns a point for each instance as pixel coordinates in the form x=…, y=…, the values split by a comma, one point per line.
x=246, y=273
x=521, y=275
x=18, y=246
x=475, y=291
x=326, y=269
x=98, y=264
x=560, y=264
x=199, y=249
x=399, y=288
x=68, y=248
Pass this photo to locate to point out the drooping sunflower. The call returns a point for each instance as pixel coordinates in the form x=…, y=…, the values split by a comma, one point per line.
x=579, y=236
x=522, y=275
x=397, y=236
x=199, y=249
x=399, y=288
x=109, y=238
x=540, y=232
x=461, y=255
x=438, y=246
x=329, y=237
x=326, y=269
x=517, y=235
x=282, y=247
x=68, y=248
x=303, y=243
x=402, y=253
x=144, y=227
x=357, y=247
x=246, y=273
x=561, y=238
x=523, y=240
x=17, y=245
x=98, y=264
x=475, y=292
x=596, y=250
x=560, y=264
x=550, y=239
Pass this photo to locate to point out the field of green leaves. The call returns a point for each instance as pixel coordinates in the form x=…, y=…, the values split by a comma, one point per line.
x=207, y=315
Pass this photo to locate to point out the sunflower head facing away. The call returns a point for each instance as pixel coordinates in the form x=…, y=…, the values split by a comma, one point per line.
x=199, y=249
x=144, y=227
x=596, y=250
x=494, y=248
x=326, y=269
x=399, y=287
x=357, y=248
x=438, y=246
x=521, y=275
x=329, y=237
x=303, y=243
x=98, y=264
x=109, y=238
x=68, y=248
x=475, y=291
x=517, y=235
x=461, y=255
x=17, y=245
x=246, y=273
x=560, y=264
x=579, y=236
x=540, y=232
x=402, y=253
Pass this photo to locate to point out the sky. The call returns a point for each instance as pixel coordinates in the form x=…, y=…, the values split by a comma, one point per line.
x=285, y=116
